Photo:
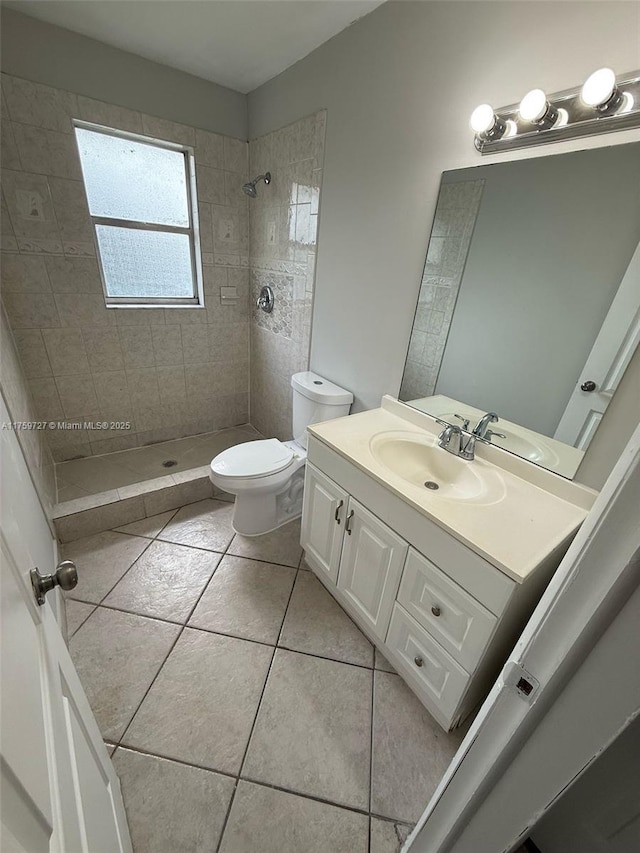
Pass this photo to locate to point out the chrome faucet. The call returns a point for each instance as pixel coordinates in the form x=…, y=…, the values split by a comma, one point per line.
x=482, y=426
x=457, y=441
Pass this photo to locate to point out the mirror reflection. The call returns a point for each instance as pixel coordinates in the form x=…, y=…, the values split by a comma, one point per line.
x=529, y=305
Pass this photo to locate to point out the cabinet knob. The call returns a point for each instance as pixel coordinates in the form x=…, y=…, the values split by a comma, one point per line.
x=418, y=660
x=436, y=610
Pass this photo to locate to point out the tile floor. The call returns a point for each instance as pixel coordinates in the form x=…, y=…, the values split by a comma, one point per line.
x=94, y=474
x=245, y=710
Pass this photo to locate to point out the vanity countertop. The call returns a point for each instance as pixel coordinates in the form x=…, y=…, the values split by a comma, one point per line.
x=529, y=513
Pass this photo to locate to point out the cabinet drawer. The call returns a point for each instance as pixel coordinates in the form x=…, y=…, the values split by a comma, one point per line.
x=457, y=621
x=433, y=671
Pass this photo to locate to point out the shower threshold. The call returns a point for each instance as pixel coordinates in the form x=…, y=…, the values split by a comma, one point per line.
x=97, y=493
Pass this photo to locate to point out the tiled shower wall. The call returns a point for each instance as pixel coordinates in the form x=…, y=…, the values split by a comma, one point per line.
x=283, y=229
x=454, y=221
x=19, y=403
x=170, y=372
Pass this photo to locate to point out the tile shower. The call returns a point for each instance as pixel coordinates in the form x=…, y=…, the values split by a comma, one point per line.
x=172, y=374
x=454, y=221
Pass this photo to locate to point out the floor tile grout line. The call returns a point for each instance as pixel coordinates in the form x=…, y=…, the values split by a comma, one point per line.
x=77, y=628
x=126, y=572
x=179, y=761
x=169, y=520
x=261, y=783
x=255, y=716
x=222, y=633
x=180, y=633
x=307, y=796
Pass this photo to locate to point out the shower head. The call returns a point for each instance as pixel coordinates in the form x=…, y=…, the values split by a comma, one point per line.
x=250, y=187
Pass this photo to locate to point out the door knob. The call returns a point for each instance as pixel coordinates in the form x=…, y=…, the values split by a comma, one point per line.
x=66, y=577
x=589, y=385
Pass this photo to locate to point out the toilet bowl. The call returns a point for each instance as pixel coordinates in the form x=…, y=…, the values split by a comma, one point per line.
x=267, y=476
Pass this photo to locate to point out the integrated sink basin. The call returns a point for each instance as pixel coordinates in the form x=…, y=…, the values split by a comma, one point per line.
x=419, y=461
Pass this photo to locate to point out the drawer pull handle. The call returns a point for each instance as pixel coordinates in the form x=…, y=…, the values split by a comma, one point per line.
x=436, y=610
x=349, y=517
x=418, y=661
x=337, y=514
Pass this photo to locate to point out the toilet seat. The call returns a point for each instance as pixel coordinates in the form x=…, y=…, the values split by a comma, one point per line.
x=253, y=459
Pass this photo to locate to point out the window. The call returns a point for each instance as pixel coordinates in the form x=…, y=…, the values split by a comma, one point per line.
x=141, y=195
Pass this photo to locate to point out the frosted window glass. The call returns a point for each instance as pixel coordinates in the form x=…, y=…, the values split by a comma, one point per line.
x=145, y=263
x=131, y=180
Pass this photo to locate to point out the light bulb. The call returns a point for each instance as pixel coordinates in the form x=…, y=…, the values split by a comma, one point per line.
x=599, y=87
x=482, y=118
x=534, y=105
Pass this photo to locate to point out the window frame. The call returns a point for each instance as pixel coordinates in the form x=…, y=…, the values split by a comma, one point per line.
x=192, y=230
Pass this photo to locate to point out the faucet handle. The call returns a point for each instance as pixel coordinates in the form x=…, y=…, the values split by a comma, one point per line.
x=465, y=421
x=490, y=433
x=445, y=424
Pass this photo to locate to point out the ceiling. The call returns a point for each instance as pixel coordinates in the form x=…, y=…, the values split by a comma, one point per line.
x=237, y=43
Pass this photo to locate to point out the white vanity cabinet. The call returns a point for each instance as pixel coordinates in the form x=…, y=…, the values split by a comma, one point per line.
x=347, y=545
x=370, y=568
x=324, y=510
x=444, y=616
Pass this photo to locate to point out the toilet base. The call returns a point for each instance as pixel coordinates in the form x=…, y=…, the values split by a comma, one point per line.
x=260, y=513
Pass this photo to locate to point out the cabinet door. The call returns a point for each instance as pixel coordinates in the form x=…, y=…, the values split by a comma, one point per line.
x=323, y=513
x=370, y=567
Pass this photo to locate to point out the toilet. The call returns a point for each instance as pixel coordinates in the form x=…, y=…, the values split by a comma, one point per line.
x=267, y=477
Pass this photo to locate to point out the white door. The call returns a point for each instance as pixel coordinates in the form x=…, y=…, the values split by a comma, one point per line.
x=323, y=515
x=607, y=362
x=59, y=791
x=370, y=567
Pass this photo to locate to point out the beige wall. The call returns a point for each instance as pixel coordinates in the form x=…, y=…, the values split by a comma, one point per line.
x=399, y=86
x=48, y=54
x=168, y=372
x=284, y=227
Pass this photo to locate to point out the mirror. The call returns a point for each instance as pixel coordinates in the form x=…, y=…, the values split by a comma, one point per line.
x=529, y=304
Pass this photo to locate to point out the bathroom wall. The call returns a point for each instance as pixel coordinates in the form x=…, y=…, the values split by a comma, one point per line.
x=168, y=372
x=283, y=228
x=45, y=53
x=21, y=408
x=399, y=86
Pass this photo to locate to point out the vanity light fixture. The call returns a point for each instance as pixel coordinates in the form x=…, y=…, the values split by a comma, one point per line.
x=603, y=104
x=536, y=109
x=601, y=93
x=486, y=123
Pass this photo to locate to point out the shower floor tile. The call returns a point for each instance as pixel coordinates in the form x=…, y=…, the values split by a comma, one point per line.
x=245, y=713
x=91, y=475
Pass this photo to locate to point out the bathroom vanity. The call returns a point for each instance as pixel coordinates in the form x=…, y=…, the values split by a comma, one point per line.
x=440, y=561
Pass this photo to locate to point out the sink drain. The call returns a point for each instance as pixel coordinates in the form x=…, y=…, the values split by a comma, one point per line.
x=431, y=485
x=169, y=463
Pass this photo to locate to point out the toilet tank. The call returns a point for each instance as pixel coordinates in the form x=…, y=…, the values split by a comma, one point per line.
x=315, y=400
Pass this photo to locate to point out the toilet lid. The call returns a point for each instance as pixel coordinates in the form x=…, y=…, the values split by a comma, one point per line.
x=253, y=459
